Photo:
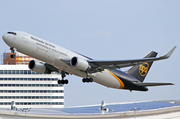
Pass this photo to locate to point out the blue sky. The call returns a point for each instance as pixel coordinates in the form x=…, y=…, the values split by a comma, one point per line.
x=104, y=30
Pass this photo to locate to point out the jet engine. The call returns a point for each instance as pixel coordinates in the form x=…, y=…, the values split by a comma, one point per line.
x=38, y=67
x=79, y=63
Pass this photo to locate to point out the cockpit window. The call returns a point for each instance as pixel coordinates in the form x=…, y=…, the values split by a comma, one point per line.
x=11, y=33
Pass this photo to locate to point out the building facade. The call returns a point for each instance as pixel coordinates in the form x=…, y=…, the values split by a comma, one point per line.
x=29, y=89
x=20, y=59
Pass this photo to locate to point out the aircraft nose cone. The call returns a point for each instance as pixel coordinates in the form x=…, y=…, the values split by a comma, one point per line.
x=7, y=39
x=4, y=37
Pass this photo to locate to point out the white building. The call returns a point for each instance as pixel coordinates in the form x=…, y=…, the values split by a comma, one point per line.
x=29, y=89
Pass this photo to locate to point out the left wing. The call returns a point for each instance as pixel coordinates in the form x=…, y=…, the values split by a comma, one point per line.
x=51, y=68
x=97, y=65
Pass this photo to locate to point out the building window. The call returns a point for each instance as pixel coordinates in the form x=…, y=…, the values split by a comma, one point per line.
x=31, y=97
x=21, y=72
x=8, y=71
x=5, y=72
x=31, y=91
x=17, y=72
x=33, y=79
x=25, y=72
x=1, y=71
x=13, y=71
x=29, y=79
x=34, y=103
x=29, y=71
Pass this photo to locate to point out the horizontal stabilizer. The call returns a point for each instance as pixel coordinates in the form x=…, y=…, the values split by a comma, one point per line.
x=153, y=84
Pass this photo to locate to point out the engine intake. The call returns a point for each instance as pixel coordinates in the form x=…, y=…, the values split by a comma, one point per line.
x=38, y=67
x=79, y=63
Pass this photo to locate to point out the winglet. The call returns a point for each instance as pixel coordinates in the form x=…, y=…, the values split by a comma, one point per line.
x=169, y=53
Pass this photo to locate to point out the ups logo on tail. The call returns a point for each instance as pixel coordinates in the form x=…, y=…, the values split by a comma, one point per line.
x=143, y=69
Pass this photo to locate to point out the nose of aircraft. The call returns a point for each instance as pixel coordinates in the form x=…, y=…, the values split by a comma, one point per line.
x=4, y=37
x=7, y=39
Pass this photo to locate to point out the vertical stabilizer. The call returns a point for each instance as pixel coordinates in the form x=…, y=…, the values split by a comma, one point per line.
x=140, y=71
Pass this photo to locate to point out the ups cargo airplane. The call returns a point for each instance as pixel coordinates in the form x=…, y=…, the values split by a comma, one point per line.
x=54, y=58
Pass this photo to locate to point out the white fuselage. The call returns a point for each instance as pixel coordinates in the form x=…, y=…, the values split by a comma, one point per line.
x=52, y=54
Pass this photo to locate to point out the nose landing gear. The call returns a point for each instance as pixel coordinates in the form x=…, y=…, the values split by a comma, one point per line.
x=12, y=51
x=12, y=56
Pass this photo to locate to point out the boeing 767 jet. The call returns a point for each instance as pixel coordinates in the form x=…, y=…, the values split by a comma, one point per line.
x=54, y=58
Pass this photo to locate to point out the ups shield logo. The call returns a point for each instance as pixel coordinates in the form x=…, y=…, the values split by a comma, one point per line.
x=143, y=69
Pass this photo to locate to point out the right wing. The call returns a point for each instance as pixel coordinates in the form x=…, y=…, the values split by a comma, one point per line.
x=100, y=65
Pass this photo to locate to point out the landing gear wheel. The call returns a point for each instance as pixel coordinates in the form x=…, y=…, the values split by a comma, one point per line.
x=62, y=81
x=12, y=56
x=59, y=81
x=83, y=80
x=66, y=81
x=91, y=80
x=87, y=80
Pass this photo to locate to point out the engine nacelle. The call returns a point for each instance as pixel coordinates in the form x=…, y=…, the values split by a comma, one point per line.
x=38, y=67
x=79, y=63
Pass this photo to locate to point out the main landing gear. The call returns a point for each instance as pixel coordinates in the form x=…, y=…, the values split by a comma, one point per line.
x=63, y=81
x=63, y=75
x=87, y=80
x=12, y=51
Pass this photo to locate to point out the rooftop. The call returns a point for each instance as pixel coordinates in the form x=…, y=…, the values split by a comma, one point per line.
x=95, y=110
